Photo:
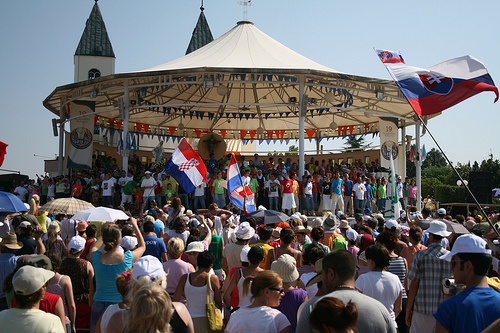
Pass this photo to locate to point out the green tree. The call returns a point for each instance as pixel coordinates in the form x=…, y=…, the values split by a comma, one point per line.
x=354, y=143
x=434, y=158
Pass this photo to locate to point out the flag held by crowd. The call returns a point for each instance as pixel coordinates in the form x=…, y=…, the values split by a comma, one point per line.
x=435, y=89
x=392, y=209
x=187, y=167
x=241, y=196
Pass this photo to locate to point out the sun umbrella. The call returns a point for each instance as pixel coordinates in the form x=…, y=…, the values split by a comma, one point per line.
x=9, y=203
x=266, y=216
x=455, y=227
x=68, y=206
x=100, y=214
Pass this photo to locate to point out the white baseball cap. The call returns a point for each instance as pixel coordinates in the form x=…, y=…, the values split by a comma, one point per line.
x=29, y=279
x=468, y=243
x=441, y=211
x=147, y=266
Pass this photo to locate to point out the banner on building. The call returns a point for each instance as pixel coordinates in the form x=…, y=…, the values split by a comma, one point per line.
x=81, y=134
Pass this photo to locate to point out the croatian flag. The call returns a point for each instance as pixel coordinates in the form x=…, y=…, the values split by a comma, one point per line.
x=435, y=89
x=237, y=192
x=187, y=167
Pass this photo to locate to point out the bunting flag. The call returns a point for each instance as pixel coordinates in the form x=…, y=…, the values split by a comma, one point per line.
x=187, y=167
x=392, y=209
x=119, y=145
x=424, y=153
x=241, y=197
x=438, y=88
x=3, y=151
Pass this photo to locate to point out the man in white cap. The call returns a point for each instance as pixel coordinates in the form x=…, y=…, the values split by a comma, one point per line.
x=426, y=273
x=477, y=306
x=29, y=289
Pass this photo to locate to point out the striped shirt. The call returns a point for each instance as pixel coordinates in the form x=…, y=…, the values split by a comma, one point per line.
x=429, y=271
x=397, y=267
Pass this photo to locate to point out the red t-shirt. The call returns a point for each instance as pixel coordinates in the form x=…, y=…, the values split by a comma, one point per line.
x=47, y=304
x=287, y=185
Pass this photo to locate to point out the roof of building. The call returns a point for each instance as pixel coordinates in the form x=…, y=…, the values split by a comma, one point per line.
x=95, y=40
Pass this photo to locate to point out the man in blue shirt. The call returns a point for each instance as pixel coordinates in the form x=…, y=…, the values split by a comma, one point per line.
x=348, y=202
x=477, y=306
x=337, y=200
x=154, y=246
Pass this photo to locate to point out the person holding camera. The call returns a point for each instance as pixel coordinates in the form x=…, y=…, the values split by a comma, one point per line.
x=476, y=307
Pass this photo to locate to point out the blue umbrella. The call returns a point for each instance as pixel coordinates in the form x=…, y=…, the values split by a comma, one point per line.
x=9, y=203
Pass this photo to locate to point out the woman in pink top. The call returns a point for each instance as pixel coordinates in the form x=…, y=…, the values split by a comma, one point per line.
x=412, y=193
x=175, y=267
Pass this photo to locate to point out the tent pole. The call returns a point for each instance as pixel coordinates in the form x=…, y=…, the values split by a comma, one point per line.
x=126, y=118
x=302, y=112
x=60, y=159
x=418, y=166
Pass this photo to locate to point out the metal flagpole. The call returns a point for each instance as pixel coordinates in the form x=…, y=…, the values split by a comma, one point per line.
x=454, y=169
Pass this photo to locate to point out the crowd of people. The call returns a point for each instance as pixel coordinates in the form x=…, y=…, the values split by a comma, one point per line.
x=341, y=271
x=325, y=186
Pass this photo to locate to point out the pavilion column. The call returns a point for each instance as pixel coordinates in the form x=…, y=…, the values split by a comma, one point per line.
x=60, y=159
x=302, y=114
x=418, y=166
x=126, y=120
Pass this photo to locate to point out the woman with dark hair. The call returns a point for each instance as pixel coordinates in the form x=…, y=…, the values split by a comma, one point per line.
x=399, y=267
x=254, y=256
x=174, y=210
x=287, y=236
x=178, y=228
x=267, y=290
x=193, y=286
x=380, y=284
x=61, y=285
x=312, y=254
x=331, y=315
x=109, y=260
x=81, y=273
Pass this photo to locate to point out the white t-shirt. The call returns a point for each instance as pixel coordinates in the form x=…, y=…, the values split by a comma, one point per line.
x=149, y=192
x=199, y=191
x=382, y=286
x=107, y=187
x=359, y=191
x=308, y=188
x=273, y=188
x=261, y=319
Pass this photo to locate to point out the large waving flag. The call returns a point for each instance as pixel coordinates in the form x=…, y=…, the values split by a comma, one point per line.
x=187, y=167
x=435, y=89
x=238, y=193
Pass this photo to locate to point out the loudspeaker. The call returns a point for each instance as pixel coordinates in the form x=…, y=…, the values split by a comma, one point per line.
x=480, y=184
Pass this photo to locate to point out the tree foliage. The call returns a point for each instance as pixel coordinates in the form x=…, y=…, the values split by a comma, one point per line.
x=354, y=143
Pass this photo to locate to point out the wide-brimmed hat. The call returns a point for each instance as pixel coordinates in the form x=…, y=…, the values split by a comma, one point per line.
x=81, y=226
x=344, y=224
x=189, y=213
x=28, y=279
x=468, y=243
x=147, y=266
x=286, y=267
x=330, y=222
x=438, y=228
x=195, y=247
x=300, y=229
x=9, y=240
x=276, y=233
x=244, y=231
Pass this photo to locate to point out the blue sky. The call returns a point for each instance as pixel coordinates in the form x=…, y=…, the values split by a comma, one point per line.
x=39, y=39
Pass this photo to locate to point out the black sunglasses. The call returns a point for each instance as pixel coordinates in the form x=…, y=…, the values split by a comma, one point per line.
x=454, y=262
x=281, y=290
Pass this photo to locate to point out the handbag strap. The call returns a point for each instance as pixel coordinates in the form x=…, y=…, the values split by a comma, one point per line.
x=209, y=289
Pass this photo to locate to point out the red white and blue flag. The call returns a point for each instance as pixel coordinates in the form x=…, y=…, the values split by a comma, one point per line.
x=435, y=89
x=241, y=196
x=187, y=167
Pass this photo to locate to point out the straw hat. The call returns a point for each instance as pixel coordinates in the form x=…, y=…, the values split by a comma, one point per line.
x=9, y=240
